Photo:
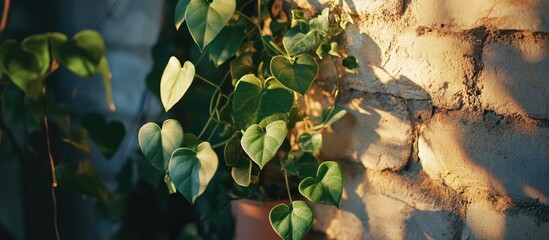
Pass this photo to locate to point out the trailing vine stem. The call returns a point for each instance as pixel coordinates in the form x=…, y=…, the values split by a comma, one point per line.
x=263, y=42
x=287, y=185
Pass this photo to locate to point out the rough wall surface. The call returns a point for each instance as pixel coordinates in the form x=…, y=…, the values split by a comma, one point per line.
x=447, y=135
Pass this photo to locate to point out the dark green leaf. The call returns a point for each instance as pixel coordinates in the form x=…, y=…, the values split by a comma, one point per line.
x=300, y=163
x=297, y=74
x=310, y=142
x=107, y=136
x=232, y=151
x=242, y=172
x=79, y=138
x=158, y=144
x=350, y=63
x=206, y=18
x=326, y=187
x=179, y=16
x=291, y=222
x=226, y=44
x=82, y=178
x=261, y=144
x=241, y=66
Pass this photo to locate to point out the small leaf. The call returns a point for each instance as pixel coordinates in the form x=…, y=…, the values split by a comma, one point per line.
x=206, y=18
x=107, y=136
x=23, y=67
x=180, y=8
x=232, y=151
x=253, y=100
x=83, y=53
x=310, y=142
x=175, y=82
x=82, y=178
x=293, y=222
x=298, y=74
x=226, y=44
x=326, y=187
x=191, y=170
x=261, y=145
x=296, y=41
x=158, y=144
x=329, y=117
x=321, y=23
x=242, y=172
x=350, y=63
x=79, y=139
x=300, y=163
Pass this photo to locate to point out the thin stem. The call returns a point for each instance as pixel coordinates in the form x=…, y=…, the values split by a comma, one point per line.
x=210, y=118
x=55, y=224
x=5, y=13
x=336, y=93
x=287, y=185
x=263, y=42
x=52, y=166
x=213, y=84
x=222, y=143
x=259, y=10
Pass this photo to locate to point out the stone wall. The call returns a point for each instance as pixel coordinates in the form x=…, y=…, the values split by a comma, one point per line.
x=447, y=135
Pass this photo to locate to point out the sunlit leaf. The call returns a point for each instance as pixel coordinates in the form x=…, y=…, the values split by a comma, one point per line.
x=254, y=100
x=321, y=23
x=169, y=184
x=83, y=53
x=106, y=135
x=296, y=41
x=179, y=16
x=191, y=170
x=297, y=74
x=326, y=187
x=206, y=18
x=158, y=144
x=261, y=144
x=82, y=178
x=175, y=82
x=330, y=116
x=291, y=222
x=242, y=172
x=300, y=163
x=311, y=142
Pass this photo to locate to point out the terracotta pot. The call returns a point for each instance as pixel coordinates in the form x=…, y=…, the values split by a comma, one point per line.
x=252, y=219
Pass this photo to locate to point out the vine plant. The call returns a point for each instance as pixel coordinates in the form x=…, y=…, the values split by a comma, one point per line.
x=272, y=66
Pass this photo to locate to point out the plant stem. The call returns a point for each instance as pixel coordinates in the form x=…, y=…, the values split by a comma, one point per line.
x=336, y=93
x=213, y=84
x=210, y=118
x=5, y=13
x=259, y=30
x=287, y=185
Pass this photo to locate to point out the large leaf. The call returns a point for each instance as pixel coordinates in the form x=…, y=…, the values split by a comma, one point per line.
x=242, y=172
x=206, y=18
x=261, y=144
x=297, y=74
x=107, y=135
x=83, y=53
x=311, y=142
x=175, y=82
x=291, y=222
x=326, y=187
x=158, y=144
x=254, y=100
x=82, y=178
x=300, y=163
x=191, y=170
x=297, y=41
x=226, y=44
x=179, y=16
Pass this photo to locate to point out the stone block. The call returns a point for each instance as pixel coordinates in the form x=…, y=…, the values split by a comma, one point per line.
x=515, y=79
x=494, y=14
x=486, y=156
x=376, y=132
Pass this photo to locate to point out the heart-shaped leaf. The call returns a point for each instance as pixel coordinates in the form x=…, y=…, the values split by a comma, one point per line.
x=350, y=63
x=300, y=163
x=175, y=82
x=254, y=100
x=158, y=144
x=226, y=44
x=180, y=8
x=83, y=53
x=191, y=170
x=232, y=151
x=291, y=222
x=327, y=187
x=261, y=144
x=328, y=49
x=242, y=172
x=206, y=18
x=297, y=74
x=107, y=136
x=321, y=23
x=297, y=41
x=82, y=178
x=311, y=142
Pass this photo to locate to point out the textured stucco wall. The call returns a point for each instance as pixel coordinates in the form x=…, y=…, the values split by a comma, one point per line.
x=447, y=135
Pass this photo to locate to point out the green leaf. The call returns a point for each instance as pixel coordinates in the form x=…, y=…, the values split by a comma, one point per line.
x=310, y=142
x=56, y=39
x=175, y=82
x=79, y=139
x=261, y=144
x=300, y=163
x=158, y=144
x=241, y=66
x=326, y=187
x=83, y=53
x=291, y=222
x=226, y=44
x=242, y=172
x=191, y=170
x=253, y=100
x=169, y=184
x=232, y=151
x=190, y=140
x=206, y=18
x=82, y=178
x=321, y=23
x=297, y=74
x=328, y=49
x=296, y=41
x=350, y=63
x=275, y=117
x=38, y=44
x=107, y=136
x=180, y=8
x=329, y=117
x=105, y=71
